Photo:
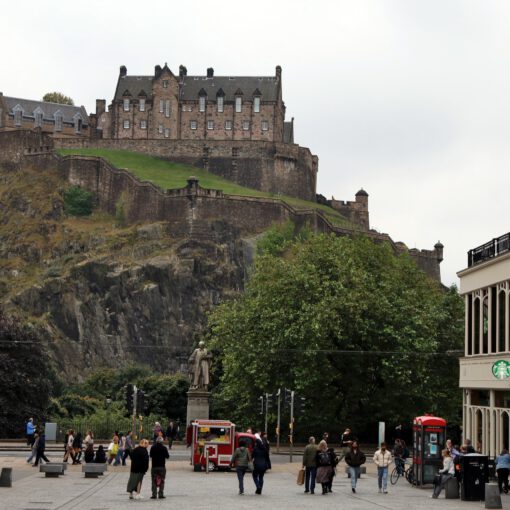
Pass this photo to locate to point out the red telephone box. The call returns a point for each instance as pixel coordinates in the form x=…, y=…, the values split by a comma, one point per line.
x=216, y=440
x=428, y=442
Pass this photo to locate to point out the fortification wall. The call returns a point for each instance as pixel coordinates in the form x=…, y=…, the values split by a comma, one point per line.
x=277, y=168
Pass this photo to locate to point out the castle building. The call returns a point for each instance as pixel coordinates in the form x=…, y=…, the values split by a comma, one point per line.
x=485, y=366
x=184, y=107
x=52, y=118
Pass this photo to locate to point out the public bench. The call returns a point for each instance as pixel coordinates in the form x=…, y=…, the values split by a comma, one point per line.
x=93, y=470
x=362, y=471
x=52, y=469
x=6, y=477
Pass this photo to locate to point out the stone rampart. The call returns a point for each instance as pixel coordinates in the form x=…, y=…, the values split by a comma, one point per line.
x=278, y=168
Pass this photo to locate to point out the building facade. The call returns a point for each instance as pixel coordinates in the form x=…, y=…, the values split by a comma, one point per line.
x=51, y=118
x=182, y=107
x=485, y=366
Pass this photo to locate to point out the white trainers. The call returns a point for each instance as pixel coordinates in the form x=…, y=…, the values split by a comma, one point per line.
x=137, y=496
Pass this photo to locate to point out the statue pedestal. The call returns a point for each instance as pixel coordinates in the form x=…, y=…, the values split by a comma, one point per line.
x=198, y=405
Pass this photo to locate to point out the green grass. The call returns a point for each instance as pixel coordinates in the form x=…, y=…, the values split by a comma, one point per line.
x=169, y=175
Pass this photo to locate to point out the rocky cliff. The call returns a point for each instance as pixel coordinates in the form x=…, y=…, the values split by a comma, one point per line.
x=107, y=294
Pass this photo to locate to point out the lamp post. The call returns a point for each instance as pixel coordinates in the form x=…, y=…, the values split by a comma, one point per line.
x=108, y=402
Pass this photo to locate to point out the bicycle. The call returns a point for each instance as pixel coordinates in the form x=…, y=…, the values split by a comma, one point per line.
x=401, y=470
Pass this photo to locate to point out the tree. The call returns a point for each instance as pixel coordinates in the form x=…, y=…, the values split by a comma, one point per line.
x=363, y=334
x=57, y=97
x=27, y=376
x=77, y=201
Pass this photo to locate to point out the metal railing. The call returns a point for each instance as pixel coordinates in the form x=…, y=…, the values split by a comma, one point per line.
x=493, y=248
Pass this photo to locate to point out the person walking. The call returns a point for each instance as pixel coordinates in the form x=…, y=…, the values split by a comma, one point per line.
x=382, y=459
x=240, y=459
x=324, y=466
x=446, y=473
x=139, y=466
x=77, y=448
x=354, y=458
x=41, y=446
x=261, y=464
x=128, y=447
x=113, y=450
x=69, y=447
x=310, y=465
x=502, y=470
x=89, y=439
x=158, y=454
x=156, y=431
x=30, y=431
x=346, y=440
x=171, y=433
x=33, y=453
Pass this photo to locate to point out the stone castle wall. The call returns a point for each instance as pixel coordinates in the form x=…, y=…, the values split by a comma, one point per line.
x=278, y=168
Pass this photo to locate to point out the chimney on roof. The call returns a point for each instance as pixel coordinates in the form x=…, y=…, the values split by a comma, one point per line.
x=100, y=106
x=182, y=71
x=123, y=70
x=279, y=72
x=210, y=72
x=157, y=71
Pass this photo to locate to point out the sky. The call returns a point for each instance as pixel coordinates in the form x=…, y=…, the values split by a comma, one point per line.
x=406, y=99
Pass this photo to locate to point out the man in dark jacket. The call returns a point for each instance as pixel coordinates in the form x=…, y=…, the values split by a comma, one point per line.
x=158, y=454
x=310, y=465
x=41, y=446
x=354, y=458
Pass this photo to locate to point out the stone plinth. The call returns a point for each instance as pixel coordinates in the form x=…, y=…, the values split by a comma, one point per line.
x=198, y=405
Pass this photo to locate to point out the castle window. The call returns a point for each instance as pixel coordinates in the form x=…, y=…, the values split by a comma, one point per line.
x=167, y=133
x=246, y=125
x=160, y=129
x=165, y=84
x=143, y=124
x=239, y=104
x=167, y=108
x=161, y=106
x=256, y=104
x=17, y=116
x=210, y=124
x=126, y=105
x=58, y=122
x=141, y=105
x=78, y=124
x=38, y=119
x=235, y=152
x=265, y=125
x=126, y=124
x=193, y=124
x=219, y=103
x=228, y=125
x=201, y=104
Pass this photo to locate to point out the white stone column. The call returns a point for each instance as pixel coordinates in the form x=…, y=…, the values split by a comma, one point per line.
x=492, y=422
x=467, y=423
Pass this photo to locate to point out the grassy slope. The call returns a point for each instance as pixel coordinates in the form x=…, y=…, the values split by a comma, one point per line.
x=168, y=175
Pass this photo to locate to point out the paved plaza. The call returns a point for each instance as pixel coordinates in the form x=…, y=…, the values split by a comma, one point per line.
x=186, y=489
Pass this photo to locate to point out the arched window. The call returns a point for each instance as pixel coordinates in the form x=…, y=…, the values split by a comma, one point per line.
x=18, y=115
x=485, y=332
x=502, y=320
x=476, y=326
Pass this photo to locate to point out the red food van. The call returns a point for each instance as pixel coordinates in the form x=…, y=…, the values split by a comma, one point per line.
x=220, y=439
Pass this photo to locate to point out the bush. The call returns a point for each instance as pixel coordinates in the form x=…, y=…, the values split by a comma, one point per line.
x=77, y=201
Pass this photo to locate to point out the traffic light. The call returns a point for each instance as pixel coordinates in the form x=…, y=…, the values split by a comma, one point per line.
x=287, y=397
x=140, y=402
x=261, y=398
x=129, y=397
x=301, y=403
x=269, y=398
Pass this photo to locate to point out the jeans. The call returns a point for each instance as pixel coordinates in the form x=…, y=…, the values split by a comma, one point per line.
x=382, y=477
x=399, y=464
x=240, y=476
x=310, y=473
x=439, y=487
x=354, y=472
x=258, y=478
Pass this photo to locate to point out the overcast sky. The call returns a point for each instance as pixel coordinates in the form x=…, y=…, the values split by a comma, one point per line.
x=407, y=99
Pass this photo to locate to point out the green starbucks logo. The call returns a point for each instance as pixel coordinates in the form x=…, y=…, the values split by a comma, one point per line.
x=501, y=369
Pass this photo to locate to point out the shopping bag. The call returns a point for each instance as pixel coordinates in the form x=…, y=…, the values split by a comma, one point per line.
x=301, y=477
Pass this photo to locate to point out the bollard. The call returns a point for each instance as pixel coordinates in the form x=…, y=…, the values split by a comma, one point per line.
x=492, y=496
x=207, y=461
x=6, y=477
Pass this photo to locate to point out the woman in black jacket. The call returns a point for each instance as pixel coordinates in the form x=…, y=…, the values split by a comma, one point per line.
x=139, y=466
x=324, y=466
x=261, y=464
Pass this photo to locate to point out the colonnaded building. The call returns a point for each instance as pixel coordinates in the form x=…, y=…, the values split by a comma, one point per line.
x=485, y=367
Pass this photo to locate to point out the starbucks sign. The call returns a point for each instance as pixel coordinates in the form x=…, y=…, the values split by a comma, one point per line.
x=501, y=369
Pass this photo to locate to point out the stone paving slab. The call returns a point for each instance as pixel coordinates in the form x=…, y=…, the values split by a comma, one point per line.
x=188, y=490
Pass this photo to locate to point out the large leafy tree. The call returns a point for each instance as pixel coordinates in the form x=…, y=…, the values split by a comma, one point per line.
x=362, y=334
x=57, y=97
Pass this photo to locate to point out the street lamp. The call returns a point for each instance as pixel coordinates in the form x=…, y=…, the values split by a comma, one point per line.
x=108, y=402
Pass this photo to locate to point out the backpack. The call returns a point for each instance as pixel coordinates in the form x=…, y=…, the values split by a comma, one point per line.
x=324, y=459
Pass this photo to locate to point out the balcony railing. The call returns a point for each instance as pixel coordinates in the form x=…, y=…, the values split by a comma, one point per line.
x=489, y=250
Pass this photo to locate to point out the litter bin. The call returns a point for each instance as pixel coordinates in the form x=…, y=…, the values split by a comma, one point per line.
x=474, y=471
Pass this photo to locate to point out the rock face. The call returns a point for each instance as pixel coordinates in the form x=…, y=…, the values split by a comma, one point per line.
x=150, y=311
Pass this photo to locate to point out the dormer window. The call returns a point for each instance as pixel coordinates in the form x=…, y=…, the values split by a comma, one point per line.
x=78, y=122
x=18, y=114
x=219, y=103
x=38, y=115
x=141, y=105
x=201, y=104
x=239, y=104
x=58, y=121
x=256, y=104
x=126, y=105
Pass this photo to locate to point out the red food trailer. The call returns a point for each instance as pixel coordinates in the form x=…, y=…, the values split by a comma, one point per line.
x=219, y=439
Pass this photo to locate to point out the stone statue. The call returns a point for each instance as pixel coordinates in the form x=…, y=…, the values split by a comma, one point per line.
x=199, y=367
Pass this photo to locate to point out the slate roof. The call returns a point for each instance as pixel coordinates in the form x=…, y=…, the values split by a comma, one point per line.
x=49, y=109
x=135, y=85
x=266, y=86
